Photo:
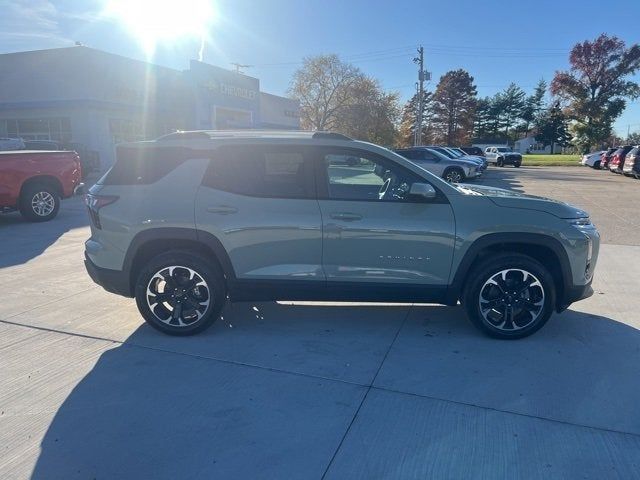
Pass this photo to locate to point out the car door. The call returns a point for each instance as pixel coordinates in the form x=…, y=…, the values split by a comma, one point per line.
x=259, y=201
x=373, y=230
x=430, y=162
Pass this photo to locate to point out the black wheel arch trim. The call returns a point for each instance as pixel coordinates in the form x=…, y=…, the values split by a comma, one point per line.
x=206, y=239
x=496, y=239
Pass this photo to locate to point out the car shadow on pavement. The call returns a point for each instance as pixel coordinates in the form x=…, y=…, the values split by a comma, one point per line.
x=150, y=413
x=501, y=178
x=22, y=240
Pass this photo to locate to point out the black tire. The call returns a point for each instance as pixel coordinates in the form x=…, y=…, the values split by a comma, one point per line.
x=453, y=175
x=184, y=293
x=517, y=164
x=596, y=165
x=39, y=202
x=500, y=162
x=540, y=307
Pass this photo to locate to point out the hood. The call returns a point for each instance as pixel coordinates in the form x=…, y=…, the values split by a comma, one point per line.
x=511, y=199
x=464, y=161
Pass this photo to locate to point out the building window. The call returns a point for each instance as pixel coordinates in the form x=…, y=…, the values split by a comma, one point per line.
x=56, y=129
x=133, y=131
x=230, y=118
x=125, y=130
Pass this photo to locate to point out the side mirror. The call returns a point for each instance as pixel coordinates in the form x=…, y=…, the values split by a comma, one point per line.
x=424, y=191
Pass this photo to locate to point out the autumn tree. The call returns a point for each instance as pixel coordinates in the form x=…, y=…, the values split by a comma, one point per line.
x=338, y=96
x=323, y=87
x=407, y=130
x=370, y=113
x=596, y=86
x=454, y=103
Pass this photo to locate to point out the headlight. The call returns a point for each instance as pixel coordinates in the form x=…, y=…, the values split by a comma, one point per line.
x=580, y=222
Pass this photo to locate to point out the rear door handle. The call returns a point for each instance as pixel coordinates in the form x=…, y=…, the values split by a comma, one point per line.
x=222, y=209
x=346, y=216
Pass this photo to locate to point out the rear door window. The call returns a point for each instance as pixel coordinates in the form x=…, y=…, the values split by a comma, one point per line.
x=262, y=171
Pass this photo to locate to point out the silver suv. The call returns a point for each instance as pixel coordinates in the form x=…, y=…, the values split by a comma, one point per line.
x=453, y=170
x=192, y=219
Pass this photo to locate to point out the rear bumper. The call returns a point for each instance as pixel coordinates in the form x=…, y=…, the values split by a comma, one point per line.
x=114, y=281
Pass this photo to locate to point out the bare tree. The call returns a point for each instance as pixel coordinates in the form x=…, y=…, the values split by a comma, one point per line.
x=323, y=86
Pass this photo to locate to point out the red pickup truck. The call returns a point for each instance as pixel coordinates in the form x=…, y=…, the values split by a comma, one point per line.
x=35, y=181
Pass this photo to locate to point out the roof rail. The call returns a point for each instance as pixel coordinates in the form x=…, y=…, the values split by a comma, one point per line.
x=330, y=136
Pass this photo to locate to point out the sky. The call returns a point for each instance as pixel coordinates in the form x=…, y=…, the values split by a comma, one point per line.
x=497, y=42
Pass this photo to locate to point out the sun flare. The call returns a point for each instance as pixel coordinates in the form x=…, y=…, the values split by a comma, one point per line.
x=163, y=21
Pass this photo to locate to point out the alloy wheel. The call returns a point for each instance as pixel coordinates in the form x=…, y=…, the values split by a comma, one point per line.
x=178, y=296
x=43, y=204
x=511, y=299
x=453, y=176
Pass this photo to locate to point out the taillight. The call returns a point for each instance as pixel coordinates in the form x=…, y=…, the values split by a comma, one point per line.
x=95, y=203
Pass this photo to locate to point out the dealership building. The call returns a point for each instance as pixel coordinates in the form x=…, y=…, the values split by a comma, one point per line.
x=82, y=96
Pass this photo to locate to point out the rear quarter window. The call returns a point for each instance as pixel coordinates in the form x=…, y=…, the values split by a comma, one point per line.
x=144, y=165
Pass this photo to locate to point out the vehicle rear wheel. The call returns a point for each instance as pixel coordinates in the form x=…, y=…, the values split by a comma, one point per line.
x=39, y=202
x=517, y=164
x=596, y=165
x=500, y=162
x=453, y=175
x=180, y=293
x=509, y=296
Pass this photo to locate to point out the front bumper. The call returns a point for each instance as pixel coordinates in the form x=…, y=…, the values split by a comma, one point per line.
x=573, y=294
x=114, y=281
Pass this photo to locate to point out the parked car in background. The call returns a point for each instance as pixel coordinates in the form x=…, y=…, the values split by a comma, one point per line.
x=631, y=165
x=446, y=151
x=617, y=159
x=473, y=151
x=276, y=217
x=592, y=159
x=452, y=170
x=34, y=182
x=461, y=153
x=502, y=156
x=606, y=157
x=11, y=144
x=42, y=145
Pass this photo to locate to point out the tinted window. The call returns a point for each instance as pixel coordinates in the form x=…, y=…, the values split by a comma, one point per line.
x=280, y=172
x=410, y=154
x=633, y=151
x=144, y=165
x=371, y=178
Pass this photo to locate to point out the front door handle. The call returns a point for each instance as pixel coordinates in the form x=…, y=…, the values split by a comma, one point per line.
x=346, y=216
x=222, y=209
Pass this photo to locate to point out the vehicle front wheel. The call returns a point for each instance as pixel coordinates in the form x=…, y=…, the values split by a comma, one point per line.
x=509, y=296
x=180, y=293
x=39, y=202
x=500, y=163
x=596, y=165
x=453, y=175
x=517, y=164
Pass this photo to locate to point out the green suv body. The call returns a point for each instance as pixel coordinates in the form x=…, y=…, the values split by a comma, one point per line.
x=192, y=219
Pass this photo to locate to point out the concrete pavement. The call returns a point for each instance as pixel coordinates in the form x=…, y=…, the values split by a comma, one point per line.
x=310, y=390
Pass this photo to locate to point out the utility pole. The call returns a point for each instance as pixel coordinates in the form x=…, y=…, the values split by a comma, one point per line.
x=423, y=76
x=420, y=61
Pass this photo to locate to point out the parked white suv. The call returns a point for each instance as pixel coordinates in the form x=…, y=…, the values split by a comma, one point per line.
x=502, y=156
